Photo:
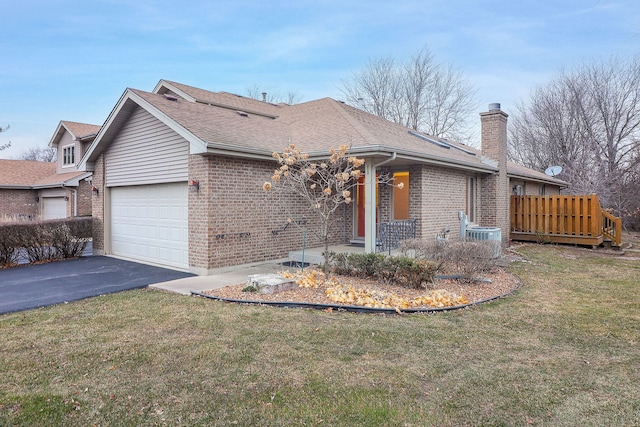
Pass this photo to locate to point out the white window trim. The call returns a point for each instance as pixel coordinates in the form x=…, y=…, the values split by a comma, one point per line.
x=68, y=165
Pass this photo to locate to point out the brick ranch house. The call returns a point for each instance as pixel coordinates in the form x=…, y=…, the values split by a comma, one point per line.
x=49, y=190
x=179, y=173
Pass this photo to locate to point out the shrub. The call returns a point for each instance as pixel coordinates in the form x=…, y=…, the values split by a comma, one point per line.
x=44, y=240
x=408, y=272
x=9, y=246
x=340, y=263
x=403, y=271
x=432, y=250
x=37, y=240
x=365, y=265
x=466, y=259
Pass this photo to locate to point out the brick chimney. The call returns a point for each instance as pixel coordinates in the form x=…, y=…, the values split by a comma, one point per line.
x=495, y=189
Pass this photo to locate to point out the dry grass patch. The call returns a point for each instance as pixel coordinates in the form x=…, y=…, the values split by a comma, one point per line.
x=562, y=351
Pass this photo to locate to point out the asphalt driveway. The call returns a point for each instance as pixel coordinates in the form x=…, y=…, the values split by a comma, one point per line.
x=33, y=286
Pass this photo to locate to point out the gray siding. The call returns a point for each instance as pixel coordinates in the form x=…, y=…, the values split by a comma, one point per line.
x=67, y=140
x=146, y=151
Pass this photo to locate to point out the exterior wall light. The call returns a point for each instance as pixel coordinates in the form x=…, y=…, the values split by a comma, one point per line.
x=194, y=185
x=95, y=191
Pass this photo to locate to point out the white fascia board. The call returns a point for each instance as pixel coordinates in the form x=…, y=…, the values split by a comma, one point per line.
x=234, y=151
x=72, y=182
x=417, y=157
x=15, y=187
x=75, y=181
x=551, y=181
x=56, y=134
x=172, y=88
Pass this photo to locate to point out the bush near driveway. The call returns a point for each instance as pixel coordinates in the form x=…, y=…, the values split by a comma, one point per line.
x=44, y=240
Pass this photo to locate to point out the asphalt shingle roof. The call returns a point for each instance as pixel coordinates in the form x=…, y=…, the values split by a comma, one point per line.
x=228, y=121
x=81, y=130
x=24, y=172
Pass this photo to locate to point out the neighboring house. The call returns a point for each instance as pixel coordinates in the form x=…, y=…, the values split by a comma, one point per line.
x=43, y=190
x=179, y=173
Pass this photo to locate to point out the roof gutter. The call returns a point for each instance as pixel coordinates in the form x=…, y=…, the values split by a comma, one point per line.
x=367, y=151
x=412, y=156
x=16, y=187
x=558, y=182
x=384, y=162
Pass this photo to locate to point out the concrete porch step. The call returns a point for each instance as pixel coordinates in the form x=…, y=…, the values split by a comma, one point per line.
x=314, y=255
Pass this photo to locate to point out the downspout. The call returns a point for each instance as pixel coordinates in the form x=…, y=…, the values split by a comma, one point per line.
x=384, y=162
x=370, y=203
x=75, y=202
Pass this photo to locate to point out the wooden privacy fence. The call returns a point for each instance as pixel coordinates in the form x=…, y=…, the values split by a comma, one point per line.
x=563, y=219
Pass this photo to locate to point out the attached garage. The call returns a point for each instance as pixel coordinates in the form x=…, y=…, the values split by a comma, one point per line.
x=54, y=207
x=150, y=223
x=146, y=176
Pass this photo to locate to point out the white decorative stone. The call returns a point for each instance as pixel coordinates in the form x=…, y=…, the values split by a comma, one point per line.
x=270, y=283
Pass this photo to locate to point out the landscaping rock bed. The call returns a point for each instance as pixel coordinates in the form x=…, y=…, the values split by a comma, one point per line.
x=494, y=284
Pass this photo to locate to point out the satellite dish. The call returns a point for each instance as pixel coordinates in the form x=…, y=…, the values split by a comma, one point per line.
x=553, y=170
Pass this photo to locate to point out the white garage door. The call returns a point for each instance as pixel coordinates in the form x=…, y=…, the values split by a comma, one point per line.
x=149, y=223
x=54, y=207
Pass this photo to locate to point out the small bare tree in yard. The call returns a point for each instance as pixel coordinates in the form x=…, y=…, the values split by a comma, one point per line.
x=324, y=185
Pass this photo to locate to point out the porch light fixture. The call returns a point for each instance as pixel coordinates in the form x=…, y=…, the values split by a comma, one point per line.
x=194, y=185
x=94, y=190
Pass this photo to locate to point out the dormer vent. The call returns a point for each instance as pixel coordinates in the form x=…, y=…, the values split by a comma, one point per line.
x=170, y=97
x=242, y=113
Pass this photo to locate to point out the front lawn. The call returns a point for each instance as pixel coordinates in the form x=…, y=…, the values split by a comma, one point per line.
x=563, y=350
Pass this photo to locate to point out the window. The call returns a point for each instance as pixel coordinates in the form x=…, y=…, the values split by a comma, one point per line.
x=471, y=198
x=68, y=155
x=401, y=196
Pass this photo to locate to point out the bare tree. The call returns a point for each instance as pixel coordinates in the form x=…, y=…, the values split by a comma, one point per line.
x=324, y=184
x=421, y=94
x=39, y=154
x=8, y=144
x=273, y=96
x=588, y=121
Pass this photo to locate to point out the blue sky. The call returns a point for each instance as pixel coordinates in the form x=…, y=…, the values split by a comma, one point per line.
x=72, y=59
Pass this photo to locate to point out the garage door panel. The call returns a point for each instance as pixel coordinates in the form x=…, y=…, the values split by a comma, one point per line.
x=150, y=223
x=54, y=208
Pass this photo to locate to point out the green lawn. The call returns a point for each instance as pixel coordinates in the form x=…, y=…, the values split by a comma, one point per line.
x=561, y=351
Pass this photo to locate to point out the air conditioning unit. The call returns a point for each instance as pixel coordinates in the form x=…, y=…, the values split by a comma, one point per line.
x=490, y=235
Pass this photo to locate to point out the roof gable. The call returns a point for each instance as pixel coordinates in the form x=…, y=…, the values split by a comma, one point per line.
x=130, y=100
x=78, y=131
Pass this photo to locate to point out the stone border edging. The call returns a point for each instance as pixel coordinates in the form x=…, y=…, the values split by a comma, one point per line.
x=355, y=308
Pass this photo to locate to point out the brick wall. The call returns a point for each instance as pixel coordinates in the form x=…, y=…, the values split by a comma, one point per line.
x=84, y=198
x=232, y=219
x=436, y=196
x=18, y=202
x=97, y=206
x=495, y=190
